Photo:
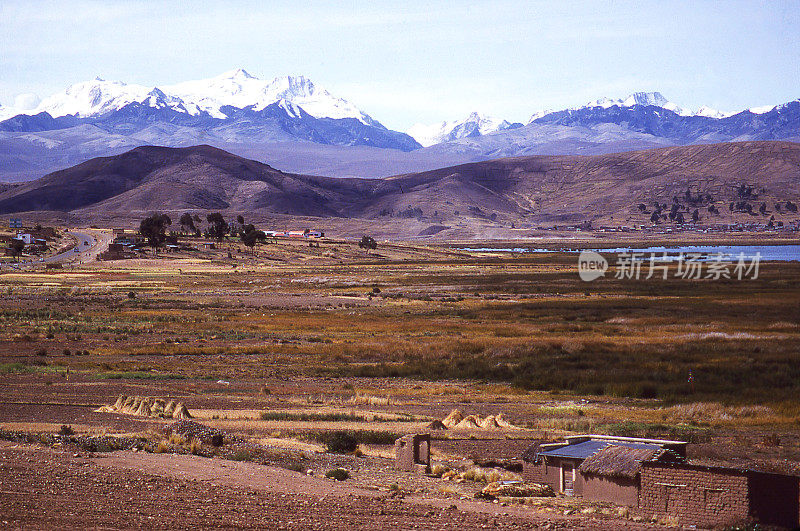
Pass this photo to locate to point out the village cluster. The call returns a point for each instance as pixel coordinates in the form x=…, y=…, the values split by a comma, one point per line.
x=651, y=476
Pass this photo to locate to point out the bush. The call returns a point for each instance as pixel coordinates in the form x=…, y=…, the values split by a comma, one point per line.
x=242, y=455
x=359, y=436
x=341, y=442
x=195, y=446
x=339, y=474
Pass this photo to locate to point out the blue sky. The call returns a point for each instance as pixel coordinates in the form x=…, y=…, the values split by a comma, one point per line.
x=411, y=61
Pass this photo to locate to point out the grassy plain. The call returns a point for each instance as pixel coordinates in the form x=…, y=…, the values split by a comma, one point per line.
x=391, y=340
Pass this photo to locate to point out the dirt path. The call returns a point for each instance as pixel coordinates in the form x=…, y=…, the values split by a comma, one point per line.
x=44, y=488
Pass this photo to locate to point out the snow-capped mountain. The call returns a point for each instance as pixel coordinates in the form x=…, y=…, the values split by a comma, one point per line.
x=238, y=105
x=92, y=98
x=291, y=117
x=473, y=125
x=236, y=88
x=655, y=99
x=239, y=89
x=647, y=99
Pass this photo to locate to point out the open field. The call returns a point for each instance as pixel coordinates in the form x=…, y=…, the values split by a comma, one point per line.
x=285, y=347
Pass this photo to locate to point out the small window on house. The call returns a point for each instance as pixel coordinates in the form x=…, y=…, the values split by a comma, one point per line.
x=713, y=498
x=672, y=499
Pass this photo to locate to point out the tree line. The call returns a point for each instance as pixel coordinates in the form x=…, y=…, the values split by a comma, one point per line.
x=154, y=228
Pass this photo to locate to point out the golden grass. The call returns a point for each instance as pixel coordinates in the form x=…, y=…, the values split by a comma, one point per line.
x=646, y=332
x=283, y=425
x=51, y=427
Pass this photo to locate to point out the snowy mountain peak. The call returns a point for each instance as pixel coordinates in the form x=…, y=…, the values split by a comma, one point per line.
x=637, y=98
x=708, y=112
x=237, y=73
x=646, y=98
x=239, y=89
x=293, y=86
x=92, y=98
x=476, y=124
x=236, y=88
x=761, y=110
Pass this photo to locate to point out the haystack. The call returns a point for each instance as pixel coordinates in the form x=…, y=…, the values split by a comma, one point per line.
x=181, y=412
x=437, y=425
x=147, y=407
x=133, y=408
x=503, y=422
x=453, y=418
x=158, y=407
x=470, y=422
x=490, y=423
x=144, y=407
x=120, y=402
x=127, y=406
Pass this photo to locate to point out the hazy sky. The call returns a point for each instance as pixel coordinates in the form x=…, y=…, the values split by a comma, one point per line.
x=410, y=61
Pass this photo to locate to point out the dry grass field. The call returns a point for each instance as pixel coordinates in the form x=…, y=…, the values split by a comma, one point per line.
x=290, y=345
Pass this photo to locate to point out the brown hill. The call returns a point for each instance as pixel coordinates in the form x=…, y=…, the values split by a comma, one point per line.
x=538, y=189
x=159, y=178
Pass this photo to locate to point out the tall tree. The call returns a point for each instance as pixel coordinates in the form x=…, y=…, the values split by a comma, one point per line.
x=187, y=222
x=154, y=228
x=250, y=236
x=368, y=243
x=218, y=227
x=16, y=248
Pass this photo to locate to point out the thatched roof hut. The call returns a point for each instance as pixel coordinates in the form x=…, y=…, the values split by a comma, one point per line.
x=621, y=461
x=531, y=453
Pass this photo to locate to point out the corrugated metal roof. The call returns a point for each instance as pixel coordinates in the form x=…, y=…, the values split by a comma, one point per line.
x=582, y=450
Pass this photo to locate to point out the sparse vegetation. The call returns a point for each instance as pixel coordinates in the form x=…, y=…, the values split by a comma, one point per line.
x=137, y=375
x=339, y=474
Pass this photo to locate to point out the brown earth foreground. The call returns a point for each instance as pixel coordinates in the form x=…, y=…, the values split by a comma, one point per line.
x=140, y=490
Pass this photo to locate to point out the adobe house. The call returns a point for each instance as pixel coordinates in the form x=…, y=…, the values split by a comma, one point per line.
x=413, y=453
x=713, y=495
x=598, y=467
x=654, y=476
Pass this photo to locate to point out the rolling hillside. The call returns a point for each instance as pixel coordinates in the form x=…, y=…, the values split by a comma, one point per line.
x=538, y=189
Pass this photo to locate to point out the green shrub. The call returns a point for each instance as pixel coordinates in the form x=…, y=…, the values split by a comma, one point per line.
x=309, y=417
x=341, y=442
x=339, y=474
x=242, y=455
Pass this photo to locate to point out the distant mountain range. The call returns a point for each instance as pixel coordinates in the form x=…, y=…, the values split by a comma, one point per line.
x=621, y=188
x=298, y=126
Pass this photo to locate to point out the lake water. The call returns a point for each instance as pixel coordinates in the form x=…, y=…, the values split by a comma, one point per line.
x=780, y=253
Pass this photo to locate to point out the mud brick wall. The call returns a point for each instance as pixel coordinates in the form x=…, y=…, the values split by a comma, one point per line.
x=701, y=496
x=543, y=474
